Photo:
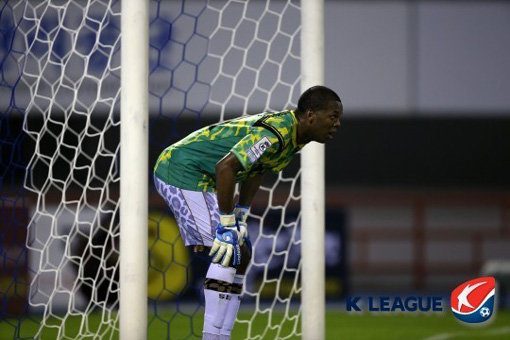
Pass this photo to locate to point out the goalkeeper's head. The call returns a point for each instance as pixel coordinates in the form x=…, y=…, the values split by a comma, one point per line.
x=319, y=112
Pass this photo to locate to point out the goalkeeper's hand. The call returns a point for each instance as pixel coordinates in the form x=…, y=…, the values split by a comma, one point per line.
x=226, y=246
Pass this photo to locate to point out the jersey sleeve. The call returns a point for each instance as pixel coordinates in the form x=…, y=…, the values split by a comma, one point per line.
x=255, y=144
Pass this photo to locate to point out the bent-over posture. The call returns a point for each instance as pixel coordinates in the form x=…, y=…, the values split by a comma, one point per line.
x=197, y=176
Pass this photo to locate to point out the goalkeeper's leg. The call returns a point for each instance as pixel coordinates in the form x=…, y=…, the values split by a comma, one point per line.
x=222, y=290
x=197, y=214
x=235, y=294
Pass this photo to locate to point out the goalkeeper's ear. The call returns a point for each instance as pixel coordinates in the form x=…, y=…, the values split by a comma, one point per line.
x=304, y=115
x=310, y=116
x=306, y=119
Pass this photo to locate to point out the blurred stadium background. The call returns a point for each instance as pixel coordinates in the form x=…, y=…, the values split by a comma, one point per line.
x=418, y=179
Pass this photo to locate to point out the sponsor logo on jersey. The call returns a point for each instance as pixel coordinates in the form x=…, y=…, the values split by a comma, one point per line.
x=473, y=301
x=258, y=149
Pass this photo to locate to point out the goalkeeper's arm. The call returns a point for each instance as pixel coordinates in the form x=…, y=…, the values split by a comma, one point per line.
x=228, y=235
x=248, y=190
x=226, y=170
x=246, y=194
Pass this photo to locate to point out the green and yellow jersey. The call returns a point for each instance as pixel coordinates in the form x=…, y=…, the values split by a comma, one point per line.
x=261, y=142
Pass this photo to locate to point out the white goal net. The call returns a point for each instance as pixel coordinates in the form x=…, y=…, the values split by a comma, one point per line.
x=208, y=61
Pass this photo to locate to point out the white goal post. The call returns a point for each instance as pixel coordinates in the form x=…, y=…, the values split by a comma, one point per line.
x=312, y=181
x=134, y=169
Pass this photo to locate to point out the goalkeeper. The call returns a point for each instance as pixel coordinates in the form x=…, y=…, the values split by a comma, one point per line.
x=197, y=176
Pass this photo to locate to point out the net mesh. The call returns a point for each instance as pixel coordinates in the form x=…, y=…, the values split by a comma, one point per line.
x=209, y=61
x=69, y=60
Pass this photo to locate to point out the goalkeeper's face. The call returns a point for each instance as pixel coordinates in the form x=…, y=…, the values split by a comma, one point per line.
x=326, y=122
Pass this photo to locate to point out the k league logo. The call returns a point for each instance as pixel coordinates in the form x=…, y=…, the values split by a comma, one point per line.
x=473, y=301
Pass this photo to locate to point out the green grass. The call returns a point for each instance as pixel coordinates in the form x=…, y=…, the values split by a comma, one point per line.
x=339, y=325
x=412, y=326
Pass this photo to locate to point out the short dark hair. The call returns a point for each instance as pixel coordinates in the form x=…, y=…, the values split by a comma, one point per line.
x=316, y=98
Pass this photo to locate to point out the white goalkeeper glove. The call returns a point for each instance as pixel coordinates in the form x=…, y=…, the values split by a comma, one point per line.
x=226, y=246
